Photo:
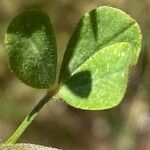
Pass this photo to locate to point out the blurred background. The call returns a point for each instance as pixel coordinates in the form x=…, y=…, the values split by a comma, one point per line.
x=125, y=127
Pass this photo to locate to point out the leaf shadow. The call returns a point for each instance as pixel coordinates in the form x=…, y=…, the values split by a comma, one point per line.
x=29, y=22
x=94, y=23
x=72, y=44
x=81, y=84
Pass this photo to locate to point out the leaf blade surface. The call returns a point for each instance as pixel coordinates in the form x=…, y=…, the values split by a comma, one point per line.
x=104, y=39
x=31, y=48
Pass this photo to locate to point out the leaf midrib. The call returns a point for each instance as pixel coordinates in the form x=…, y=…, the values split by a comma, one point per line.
x=106, y=43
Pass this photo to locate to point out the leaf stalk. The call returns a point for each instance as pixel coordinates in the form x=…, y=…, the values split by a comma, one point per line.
x=32, y=115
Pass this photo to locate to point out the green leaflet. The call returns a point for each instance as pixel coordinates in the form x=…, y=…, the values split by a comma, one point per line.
x=24, y=147
x=31, y=47
x=94, y=72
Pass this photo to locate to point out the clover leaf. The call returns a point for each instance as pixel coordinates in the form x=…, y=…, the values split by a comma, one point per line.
x=31, y=48
x=103, y=47
x=94, y=73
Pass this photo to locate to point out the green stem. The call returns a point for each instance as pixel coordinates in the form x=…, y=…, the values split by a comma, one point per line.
x=27, y=121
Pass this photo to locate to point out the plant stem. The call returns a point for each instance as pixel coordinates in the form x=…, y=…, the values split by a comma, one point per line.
x=27, y=121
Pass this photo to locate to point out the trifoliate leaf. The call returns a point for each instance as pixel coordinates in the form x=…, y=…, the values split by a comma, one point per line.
x=94, y=72
x=31, y=47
